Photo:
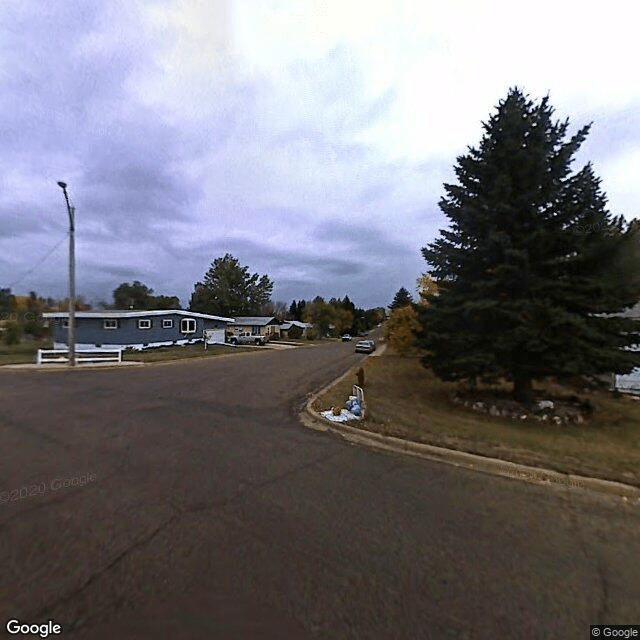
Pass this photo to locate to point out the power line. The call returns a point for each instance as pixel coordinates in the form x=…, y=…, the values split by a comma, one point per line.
x=24, y=275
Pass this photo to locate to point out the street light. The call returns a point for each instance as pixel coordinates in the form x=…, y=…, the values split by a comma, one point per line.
x=72, y=280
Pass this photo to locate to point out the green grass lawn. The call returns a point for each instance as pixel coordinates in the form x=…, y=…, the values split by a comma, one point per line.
x=177, y=352
x=405, y=400
x=23, y=353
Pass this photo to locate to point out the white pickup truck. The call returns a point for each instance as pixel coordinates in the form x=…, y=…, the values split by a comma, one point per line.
x=247, y=338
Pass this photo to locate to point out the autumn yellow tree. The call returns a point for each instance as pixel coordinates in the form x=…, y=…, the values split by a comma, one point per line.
x=400, y=327
x=427, y=286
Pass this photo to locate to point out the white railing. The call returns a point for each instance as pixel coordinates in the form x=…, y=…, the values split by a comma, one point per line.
x=94, y=355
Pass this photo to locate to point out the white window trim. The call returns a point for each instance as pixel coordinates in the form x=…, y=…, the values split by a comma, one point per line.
x=187, y=322
x=146, y=322
x=108, y=321
x=167, y=323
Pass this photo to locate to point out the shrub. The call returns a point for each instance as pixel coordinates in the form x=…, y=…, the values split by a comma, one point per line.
x=312, y=334
x=294, y=332
x=12, y=332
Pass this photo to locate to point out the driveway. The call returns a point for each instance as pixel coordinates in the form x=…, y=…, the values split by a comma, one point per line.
x=186, y=500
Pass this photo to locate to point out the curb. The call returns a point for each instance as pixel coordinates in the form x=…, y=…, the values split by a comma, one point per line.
x=471, y=461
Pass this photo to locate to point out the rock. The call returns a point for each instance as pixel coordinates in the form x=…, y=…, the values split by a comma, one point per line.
x=545, y=404
x=557, y=419
x=494, y=411
x=523, y=416
x=579, y=419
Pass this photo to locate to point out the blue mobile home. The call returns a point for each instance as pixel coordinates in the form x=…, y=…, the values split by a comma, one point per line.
x=136, y=329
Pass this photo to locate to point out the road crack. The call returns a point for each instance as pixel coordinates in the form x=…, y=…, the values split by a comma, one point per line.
x=45, y=612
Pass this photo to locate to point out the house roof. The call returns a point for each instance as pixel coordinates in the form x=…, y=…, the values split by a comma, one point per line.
x=256, y=320
x=135, y=314
x=289, y=323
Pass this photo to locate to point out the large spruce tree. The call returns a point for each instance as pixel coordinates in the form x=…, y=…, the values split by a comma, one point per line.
x=527, y=273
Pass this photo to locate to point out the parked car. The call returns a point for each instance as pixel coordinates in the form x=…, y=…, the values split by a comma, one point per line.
x=346, y=338
x=365, y=346
x=247, y=338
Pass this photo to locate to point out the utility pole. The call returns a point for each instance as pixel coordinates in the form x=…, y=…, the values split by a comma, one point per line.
x=72, y=279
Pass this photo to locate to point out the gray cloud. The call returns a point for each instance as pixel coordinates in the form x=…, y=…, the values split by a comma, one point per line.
x=167, y=174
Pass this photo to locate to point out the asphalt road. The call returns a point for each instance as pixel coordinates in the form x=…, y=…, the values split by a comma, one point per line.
x=208, y=511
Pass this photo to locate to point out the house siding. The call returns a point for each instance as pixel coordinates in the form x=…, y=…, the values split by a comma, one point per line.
x=91, y=331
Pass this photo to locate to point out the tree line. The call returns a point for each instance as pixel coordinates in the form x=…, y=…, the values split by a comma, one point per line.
x=228, y=289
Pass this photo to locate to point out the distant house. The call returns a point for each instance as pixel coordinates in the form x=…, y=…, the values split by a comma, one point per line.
x=266, y=326
x=287, y=324
x=630, y=382
x=136, y=329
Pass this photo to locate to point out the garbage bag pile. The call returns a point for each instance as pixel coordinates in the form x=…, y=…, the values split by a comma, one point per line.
x=352, y=411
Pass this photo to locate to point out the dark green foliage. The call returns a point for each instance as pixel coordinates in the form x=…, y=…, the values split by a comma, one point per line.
x=533, y=265
x=165, y=302
x=294, y=332
x=12, y=332
x=34, y=325
x=230, y=290
x=5, y=300
x=140, y=297
x=132, y=296
x=401, y=299
x=296, y=310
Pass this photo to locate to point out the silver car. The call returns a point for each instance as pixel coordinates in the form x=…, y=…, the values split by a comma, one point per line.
x=365, y=346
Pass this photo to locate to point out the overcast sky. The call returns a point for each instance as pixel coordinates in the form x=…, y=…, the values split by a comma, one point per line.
x=309, y=139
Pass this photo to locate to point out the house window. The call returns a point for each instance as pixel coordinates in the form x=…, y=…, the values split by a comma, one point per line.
x=187, y=325
x=167, y=323
x=144, y=324
x=110, y=324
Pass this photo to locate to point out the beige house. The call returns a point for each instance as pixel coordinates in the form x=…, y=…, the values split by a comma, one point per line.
x=269, y=327
x=287, y=324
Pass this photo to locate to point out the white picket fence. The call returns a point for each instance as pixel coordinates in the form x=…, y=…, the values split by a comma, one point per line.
x=46, y=356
